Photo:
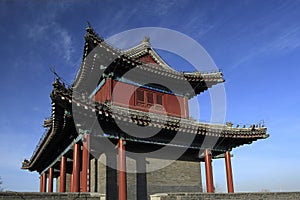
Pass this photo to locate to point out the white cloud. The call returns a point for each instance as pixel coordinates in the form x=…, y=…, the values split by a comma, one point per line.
x=199, y=25
x=284, y=42
x=48, y=31
x=289, y=39
x=274, y=33
x=57, y=37
x=163, y=6
x=64, y=43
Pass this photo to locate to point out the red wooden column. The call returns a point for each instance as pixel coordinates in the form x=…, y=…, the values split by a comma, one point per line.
x=229, y=172
x=63, y=169
x=208, y=171
x=122, y=170
x=50, y=180
x=76, y=168
x=43, y=179
x=85, y=164
x=41, y=183
x=44, y=182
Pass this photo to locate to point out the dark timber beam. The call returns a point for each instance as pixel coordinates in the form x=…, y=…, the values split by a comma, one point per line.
x=64, y=153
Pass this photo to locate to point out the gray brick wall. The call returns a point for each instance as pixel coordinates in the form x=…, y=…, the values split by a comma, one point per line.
x=101, y=174
x=180, y=176
x=131, y=178
x=93, y=175
x=103, y=179
x=235, y=196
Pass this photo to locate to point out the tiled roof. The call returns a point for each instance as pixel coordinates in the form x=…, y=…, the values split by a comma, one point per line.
x=128, y=59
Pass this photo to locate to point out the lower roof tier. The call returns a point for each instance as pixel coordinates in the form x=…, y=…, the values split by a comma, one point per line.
x=73, y=117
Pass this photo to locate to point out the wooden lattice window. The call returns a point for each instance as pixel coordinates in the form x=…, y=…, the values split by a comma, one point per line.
x=140, y=96
x=159, y=99
x=150, y=98
x=145, y=98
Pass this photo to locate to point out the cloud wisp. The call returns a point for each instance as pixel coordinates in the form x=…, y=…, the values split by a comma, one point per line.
x=46, y=29
x=57, y=37
x=271, y=39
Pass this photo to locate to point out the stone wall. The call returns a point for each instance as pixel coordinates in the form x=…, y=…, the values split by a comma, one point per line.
x=103, y=179
x=68, y=182
x=50, y=196
x=180, y=176
x=237, y=196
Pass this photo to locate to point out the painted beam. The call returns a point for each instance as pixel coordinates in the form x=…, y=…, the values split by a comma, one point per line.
x=79, y=137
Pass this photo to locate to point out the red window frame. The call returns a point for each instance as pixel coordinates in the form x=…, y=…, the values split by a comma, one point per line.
x=150, y=98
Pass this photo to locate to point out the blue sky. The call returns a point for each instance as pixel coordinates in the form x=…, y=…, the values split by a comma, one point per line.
x=255, y=43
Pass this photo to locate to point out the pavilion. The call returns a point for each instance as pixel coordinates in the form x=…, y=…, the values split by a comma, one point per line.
x=107, y=116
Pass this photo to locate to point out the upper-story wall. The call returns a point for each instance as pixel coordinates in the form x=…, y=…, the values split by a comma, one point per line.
x=141, y=98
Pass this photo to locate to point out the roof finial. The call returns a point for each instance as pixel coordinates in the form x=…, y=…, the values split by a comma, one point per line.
x=90, y=31
x=146, y=39
x=89, y=25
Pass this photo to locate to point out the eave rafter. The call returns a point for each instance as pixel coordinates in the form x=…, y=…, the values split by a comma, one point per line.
x=186, y=125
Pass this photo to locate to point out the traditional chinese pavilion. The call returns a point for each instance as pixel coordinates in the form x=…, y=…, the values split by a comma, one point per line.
x=118, y=99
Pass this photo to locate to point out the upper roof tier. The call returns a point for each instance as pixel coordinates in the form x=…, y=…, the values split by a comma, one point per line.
x=146, y=54
x=140, y=64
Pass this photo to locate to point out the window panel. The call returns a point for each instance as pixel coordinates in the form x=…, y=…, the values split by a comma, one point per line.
x=139, y=95
x=150, y=97
x=159, y=99
x=146, y=98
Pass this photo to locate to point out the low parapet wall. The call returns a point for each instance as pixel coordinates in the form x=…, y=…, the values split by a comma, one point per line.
x=164, y=196
x=50, y=196
x=239, y=196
